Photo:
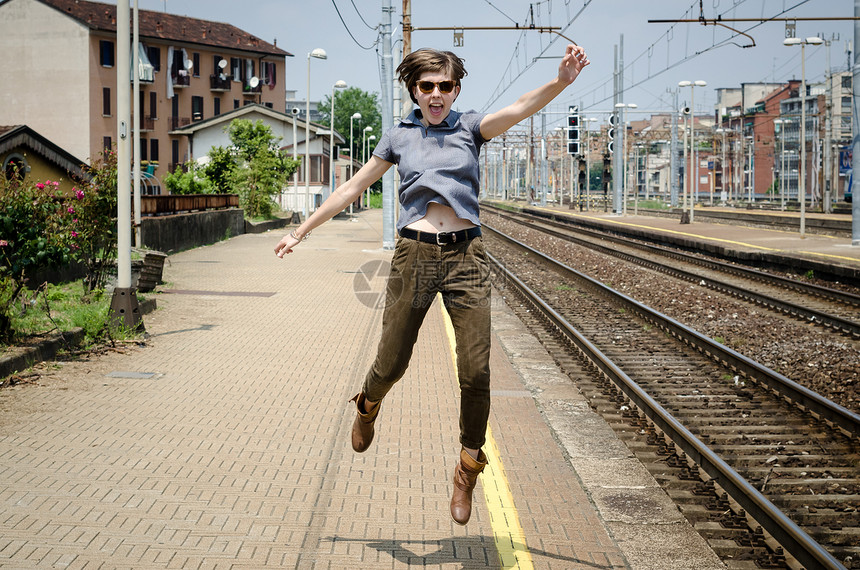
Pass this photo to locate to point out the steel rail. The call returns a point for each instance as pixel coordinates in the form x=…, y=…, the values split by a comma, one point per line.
x=848, y=326
x=810, y=288
x=792, y=538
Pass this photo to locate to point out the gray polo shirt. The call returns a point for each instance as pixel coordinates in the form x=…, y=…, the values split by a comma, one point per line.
x=436, y=164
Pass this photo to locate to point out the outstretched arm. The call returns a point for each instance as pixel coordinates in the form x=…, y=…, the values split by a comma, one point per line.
x=345, y=194
x=571, y=64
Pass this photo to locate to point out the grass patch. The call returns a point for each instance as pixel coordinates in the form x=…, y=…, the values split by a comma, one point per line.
x=61, y=308
x=564, y=287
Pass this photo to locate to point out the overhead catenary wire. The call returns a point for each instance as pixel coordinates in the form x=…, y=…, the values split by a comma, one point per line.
x=336, y=9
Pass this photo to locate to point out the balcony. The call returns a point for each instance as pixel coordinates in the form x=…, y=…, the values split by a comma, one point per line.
x=182, y=79
x=147, y=124
x=179, y=122
x=251, y=91
x=220, y=83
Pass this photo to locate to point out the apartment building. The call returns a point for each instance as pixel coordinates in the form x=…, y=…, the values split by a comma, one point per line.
x=59, y=69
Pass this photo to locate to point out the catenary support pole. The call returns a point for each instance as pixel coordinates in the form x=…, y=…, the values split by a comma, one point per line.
x=387, y=122
x=855, y=129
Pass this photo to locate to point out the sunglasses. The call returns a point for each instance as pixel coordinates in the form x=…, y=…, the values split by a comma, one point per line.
x=428, y=86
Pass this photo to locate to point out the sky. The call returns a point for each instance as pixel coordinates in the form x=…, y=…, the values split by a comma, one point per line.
x=504, y=64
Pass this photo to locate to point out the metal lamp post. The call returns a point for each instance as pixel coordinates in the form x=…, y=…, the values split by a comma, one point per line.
x=351, y=154
x=318, y=53
x=781, y=123
x=692, y=85
x=339, y=85
x=367, y=195
x=801, y=188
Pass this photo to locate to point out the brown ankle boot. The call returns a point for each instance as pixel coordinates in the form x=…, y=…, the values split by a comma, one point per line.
x=465, y=478
x=362, y=427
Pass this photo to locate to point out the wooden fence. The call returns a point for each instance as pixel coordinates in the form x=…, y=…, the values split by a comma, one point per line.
x=177, y=203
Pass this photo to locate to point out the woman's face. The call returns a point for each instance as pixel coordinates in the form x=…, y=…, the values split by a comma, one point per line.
x=435, y=105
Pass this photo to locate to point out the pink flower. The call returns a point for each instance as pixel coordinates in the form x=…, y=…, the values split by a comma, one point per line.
x=71, y=210
x=79, y=194
x=75, y=221
x=40, y=186
x=56, y=184
x=3, y=243
x=74, y=234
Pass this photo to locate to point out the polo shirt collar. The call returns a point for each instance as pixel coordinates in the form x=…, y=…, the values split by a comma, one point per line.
x=415, y=118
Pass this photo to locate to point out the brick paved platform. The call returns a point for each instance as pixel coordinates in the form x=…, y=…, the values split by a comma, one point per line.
x=224, y=442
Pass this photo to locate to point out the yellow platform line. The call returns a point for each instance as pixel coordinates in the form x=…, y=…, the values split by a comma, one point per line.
x=505, y=521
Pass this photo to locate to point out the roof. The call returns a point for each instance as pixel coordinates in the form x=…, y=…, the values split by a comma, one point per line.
x=246, y=109
x=168, y=27
x=22, y=135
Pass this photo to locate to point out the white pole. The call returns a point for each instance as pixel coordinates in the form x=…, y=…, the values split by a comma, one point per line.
x=307, y=170
x=123, y=106
x=136, y=102
x=802, y=188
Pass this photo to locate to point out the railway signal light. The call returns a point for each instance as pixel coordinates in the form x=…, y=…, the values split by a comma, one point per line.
x=610, y=132
x=573, y=122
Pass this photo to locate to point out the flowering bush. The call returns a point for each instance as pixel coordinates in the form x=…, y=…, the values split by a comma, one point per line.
x=34, y=234
x=92, y=212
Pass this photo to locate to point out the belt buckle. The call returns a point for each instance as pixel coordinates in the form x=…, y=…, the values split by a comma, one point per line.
x=439, y=239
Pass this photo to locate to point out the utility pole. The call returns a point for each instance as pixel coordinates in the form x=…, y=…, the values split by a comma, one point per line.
x=124, y=308
x=855, y=129
x=405, y=99
x=674, y=172
x=387, y=122
x=617, y=166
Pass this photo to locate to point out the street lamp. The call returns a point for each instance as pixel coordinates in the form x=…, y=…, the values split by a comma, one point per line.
x=318, y=53
x=369, y=140
x=622, y=124
x=692, y=85
x=801, y=189
x=339, y=85
x=351, y=153
x=782, y=123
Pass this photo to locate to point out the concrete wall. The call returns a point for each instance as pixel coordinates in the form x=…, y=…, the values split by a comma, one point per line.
x=184, y=231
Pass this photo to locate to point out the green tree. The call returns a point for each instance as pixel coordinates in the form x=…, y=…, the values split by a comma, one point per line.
x=191, y=180
x=261, y=168
x=219, y=169
x=347, y=102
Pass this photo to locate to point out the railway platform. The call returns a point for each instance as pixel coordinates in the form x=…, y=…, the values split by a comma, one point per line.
x=224, y=440
x=739, y=240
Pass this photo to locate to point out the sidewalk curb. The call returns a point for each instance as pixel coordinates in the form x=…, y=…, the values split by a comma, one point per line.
x=48, y=348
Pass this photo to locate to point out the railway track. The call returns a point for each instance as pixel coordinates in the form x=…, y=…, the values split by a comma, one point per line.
x=822, y=306
x=767, y=470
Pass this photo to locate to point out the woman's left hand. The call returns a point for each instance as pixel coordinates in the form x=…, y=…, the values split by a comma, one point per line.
x=572, y=63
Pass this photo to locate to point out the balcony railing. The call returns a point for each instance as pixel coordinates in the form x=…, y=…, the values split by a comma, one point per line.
x=147, y=124
x=181, y=79
x=179, y=122
x=220, y=83
x=248, y=90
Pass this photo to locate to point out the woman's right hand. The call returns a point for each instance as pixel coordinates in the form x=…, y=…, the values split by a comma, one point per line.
x=286, y=245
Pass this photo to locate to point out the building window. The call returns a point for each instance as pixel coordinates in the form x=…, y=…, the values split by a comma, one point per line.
x=217, y=103
x=154, y=55
x=269, y=105
x=15, y=167
x=236, y=68
x=153, y=150
x=106, y=101
x=107, y=144
x=153, y=105
x=846, y=82
x=174, y=150
x=106, y=53
x=196, y=108
x=235, y=103
x=195, y=58
x=143, y=149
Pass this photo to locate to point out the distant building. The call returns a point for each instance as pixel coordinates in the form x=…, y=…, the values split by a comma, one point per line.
x=28, y=156
x=59, y=68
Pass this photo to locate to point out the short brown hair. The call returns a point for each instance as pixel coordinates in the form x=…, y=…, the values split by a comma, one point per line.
x=427, y=59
